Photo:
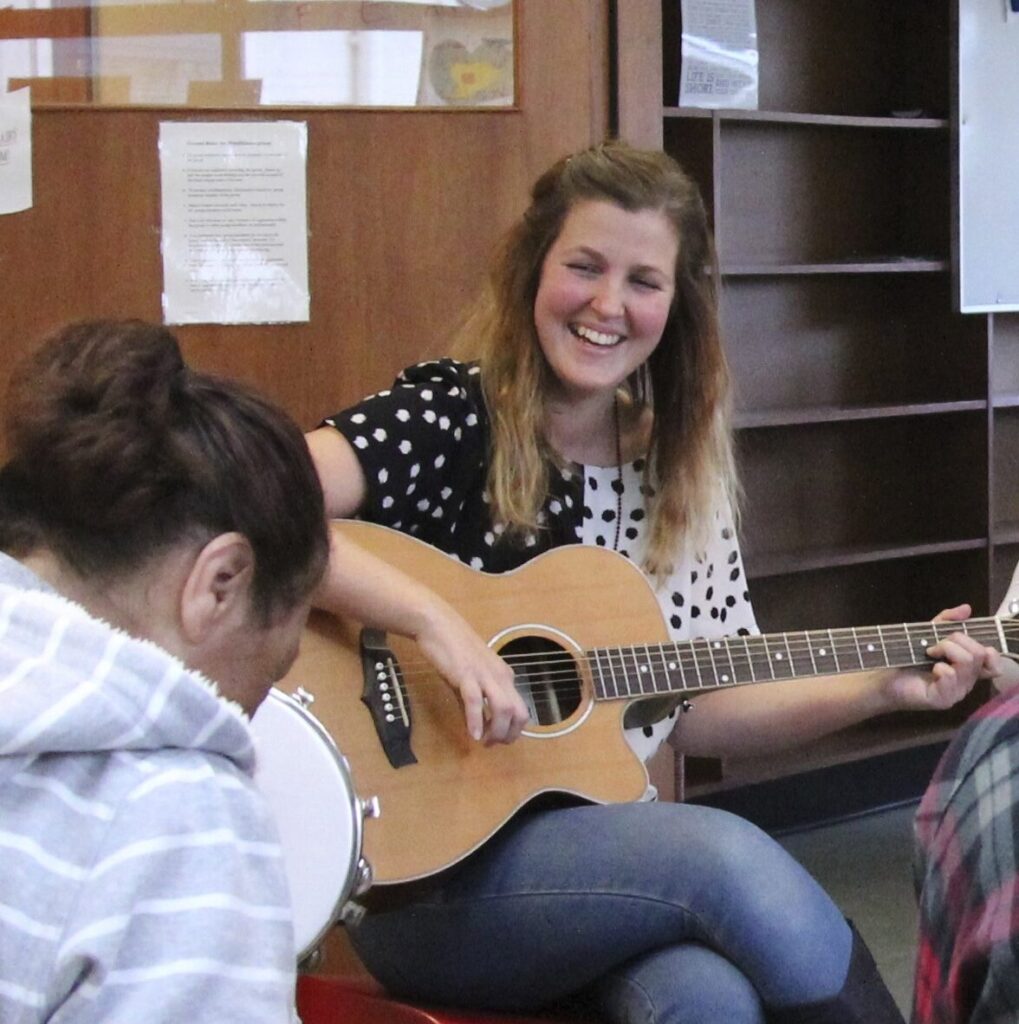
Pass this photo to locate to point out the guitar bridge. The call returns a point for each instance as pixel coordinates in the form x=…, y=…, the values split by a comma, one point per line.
x=385, y=696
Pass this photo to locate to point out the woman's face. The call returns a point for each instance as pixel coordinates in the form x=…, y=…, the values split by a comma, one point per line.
x=604, y=295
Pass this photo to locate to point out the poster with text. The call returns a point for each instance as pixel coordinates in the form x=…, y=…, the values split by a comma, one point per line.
x=15, y=151
x=719, y=54
x=235, y=231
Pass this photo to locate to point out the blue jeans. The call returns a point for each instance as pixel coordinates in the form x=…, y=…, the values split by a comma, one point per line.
x=653, y=912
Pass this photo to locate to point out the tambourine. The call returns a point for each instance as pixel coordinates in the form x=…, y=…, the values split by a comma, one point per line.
x=307, y=783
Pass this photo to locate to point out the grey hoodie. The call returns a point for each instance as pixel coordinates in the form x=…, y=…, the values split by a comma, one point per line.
x=141, y=879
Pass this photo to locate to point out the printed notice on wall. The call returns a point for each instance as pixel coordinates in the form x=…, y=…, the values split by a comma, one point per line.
x=15, y=151
x=235, y=238
x=719, y=55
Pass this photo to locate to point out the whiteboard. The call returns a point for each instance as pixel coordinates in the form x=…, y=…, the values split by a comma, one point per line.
x=988, y=156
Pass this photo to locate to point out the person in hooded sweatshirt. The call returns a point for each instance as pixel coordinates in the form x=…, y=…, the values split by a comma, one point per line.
x=162, y=531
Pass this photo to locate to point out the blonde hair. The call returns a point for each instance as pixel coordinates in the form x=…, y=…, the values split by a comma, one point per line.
x=685, y=381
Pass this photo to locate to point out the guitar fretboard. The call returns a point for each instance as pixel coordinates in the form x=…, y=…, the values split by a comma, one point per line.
x=648, y=669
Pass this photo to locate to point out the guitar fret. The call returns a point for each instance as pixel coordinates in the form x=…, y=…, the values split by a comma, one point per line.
x=867, y=647
x=834, y=650
x=856, y=648
x=704, y=655
x=654, y=660
x=767, y=656
x=673, y=668
x=789, y=654
x=645, y=671
x=810, y=651
x=779, y=657
x=629, y=671
x=901, y=650
x=750, y=659
x=594, y=659
x=610, y=656
x=697, y=666
x=722, y=677
x=917, y=648
x=884, y=648
x=664, y=669
x=801, y=659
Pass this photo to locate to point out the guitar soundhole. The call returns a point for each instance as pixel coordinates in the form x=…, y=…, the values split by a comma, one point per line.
x=546, y=677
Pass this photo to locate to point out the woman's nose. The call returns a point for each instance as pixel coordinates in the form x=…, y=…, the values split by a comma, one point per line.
x=607, y=300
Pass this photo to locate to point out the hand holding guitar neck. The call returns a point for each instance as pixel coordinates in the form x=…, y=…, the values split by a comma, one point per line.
x=959, y=660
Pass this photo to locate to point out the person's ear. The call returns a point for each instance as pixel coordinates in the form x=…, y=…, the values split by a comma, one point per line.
x=218, y=587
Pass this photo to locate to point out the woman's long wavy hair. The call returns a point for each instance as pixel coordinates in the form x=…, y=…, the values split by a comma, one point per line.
x=685, y=381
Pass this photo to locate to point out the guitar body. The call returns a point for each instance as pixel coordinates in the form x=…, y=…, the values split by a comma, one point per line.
x=457, y=793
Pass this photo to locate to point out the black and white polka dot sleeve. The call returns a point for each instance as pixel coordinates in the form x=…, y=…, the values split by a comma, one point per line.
x=421, y=444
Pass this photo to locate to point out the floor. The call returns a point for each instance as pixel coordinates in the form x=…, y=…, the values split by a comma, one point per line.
x=865, y=863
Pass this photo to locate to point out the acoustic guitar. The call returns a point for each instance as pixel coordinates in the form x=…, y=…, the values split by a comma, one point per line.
x=566, y=622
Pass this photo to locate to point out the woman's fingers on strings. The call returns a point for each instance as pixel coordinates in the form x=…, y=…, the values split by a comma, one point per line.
x=494, y=710
x=474, y=708
x=505, y=711
x=962, y=661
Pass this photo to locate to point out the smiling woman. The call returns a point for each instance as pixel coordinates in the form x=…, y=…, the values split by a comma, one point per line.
x=601, y=307
x=589, y=403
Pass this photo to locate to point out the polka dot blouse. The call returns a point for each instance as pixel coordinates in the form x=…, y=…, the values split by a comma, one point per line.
x=423, y=448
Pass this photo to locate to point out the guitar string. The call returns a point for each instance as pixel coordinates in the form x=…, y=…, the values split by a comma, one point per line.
x=703, y=660
x=577, y=686
x=687, y=651
x=567, y=672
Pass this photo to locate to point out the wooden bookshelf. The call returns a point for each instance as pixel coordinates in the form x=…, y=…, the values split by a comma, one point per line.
x=877, y=428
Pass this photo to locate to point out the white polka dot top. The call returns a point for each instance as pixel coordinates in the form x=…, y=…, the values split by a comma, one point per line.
x=423, y=447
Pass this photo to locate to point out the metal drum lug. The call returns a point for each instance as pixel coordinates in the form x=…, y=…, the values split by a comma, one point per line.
x=303, y=697
x=352, y=913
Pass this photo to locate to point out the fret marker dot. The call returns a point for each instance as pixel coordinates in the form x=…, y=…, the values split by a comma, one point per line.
x=672, y=665
x=643, y=668
x=778, y=657
x=870, y=647
x=823, y=651
x=725, y=679
x=716, y=645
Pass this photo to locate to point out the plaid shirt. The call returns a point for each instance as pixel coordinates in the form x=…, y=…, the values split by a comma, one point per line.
x=967, y=875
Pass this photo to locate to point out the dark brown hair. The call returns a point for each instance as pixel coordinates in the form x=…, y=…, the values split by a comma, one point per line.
x=119, y=451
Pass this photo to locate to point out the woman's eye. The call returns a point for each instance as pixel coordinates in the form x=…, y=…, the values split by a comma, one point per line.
x=643, y=282
x=583, y=268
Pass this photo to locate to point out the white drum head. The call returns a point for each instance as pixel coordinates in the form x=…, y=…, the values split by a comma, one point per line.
x=307, y=784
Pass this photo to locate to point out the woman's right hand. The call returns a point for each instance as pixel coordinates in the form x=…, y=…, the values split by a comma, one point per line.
x=494, y=710
x=360, y=585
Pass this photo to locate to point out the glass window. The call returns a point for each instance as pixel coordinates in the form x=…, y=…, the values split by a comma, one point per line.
x=249, y=53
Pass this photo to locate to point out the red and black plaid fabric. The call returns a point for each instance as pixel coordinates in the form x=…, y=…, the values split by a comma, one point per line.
x=967, y=875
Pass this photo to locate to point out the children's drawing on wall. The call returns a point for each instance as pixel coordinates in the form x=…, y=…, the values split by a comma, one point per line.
x=467, y=57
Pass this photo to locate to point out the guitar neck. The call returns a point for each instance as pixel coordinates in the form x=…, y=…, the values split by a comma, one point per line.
x=646, y=670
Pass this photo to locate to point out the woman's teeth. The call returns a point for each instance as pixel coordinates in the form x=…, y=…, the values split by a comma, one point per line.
x=596, y=337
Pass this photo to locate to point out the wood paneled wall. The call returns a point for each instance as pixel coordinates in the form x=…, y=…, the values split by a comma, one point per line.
x=404, y=208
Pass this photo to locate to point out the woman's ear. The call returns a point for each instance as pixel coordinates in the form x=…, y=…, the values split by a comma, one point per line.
x=217, y=590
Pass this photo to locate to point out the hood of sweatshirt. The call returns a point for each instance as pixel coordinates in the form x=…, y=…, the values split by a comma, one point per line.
x=71, y=683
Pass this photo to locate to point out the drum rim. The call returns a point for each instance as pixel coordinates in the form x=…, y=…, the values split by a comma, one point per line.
x=294, y=704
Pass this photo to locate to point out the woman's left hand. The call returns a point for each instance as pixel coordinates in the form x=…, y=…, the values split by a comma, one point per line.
x=961, y=662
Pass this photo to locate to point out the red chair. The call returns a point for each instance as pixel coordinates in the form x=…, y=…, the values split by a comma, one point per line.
x=325, y=999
